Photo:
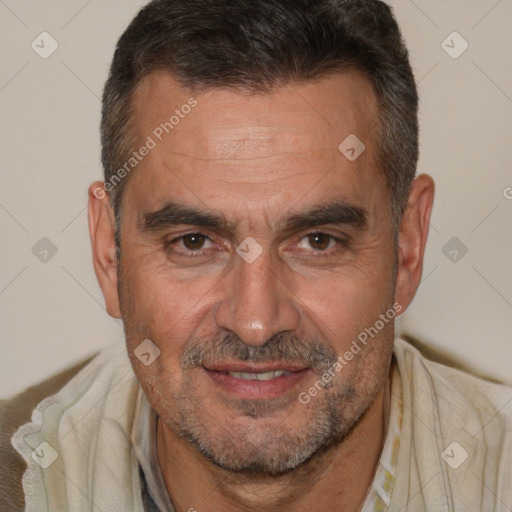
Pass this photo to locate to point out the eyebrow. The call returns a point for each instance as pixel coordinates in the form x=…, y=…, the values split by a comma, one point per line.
x=174, y=214
x=336, y=212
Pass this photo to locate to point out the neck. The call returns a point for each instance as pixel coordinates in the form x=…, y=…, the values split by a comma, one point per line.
x=339, y=478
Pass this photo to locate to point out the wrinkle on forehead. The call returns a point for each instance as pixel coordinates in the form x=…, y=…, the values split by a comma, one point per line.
x=251, y=156
x=278, y=167
x=250, y=141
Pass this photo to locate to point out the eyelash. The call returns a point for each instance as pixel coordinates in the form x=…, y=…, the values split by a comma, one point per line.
x=189, y=253
x=340, y=243
x=326, y=252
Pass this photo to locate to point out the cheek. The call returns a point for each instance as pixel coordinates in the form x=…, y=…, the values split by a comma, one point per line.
x=345, y=302
x=167, y=310
x=151, y=313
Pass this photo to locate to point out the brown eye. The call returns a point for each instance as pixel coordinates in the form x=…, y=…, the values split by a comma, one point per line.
x=194, y=241
x=320, y=241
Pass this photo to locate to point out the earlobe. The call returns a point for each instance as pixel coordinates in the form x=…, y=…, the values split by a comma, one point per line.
x=413, y=238
x=102, y=231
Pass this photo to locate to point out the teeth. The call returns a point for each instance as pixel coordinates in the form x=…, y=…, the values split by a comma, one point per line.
x=258, y=376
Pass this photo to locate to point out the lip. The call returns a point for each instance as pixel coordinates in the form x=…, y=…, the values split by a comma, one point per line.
x=256, y=389
x=254, y=368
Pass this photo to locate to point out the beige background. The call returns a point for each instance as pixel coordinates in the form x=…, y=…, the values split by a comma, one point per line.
x=52, y=312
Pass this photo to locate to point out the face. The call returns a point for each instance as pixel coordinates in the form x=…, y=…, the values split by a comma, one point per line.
x=253, y=253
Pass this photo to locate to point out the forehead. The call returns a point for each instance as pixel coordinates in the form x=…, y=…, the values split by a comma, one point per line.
x=225, y=119
x=253, y=145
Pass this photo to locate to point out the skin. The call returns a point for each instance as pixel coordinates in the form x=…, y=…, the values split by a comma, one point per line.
x=256, y=159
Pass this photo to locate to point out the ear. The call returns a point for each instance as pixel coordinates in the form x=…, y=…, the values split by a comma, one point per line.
x=101, y=231
x=413, y=238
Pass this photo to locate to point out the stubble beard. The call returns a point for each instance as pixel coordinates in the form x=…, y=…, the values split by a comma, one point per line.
x=264, y=442
x=267, y=447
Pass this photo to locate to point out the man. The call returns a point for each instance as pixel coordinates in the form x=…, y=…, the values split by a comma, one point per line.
x=259, y=228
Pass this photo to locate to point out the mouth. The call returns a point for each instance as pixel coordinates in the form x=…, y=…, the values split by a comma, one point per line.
x=258, y=376
x=256, y=381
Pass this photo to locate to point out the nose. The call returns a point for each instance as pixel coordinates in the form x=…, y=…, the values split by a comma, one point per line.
x=256, y=303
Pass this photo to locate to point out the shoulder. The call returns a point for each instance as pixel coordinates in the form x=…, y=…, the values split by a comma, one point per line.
x=464, y=407
x=15, y=412
x=457, y=432
x=448, y=380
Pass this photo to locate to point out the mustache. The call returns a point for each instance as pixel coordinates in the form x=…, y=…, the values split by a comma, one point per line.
x=283, y=347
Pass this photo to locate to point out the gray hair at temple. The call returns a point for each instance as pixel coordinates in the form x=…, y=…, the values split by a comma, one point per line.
x=258, y=46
